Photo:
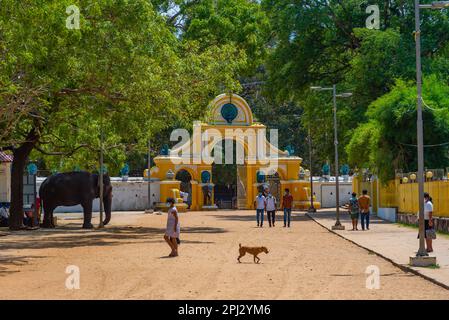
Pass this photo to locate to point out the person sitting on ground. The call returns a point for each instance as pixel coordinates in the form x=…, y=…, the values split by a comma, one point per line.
x=4, y=216
x=185, y=198
x=28, y=216
x=173, y=228
x=364, y=202
x=354, y=210
x=271, y=209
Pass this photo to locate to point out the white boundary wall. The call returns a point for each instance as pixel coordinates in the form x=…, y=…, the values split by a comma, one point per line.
x=131, y=195
x=325, y=193
x=389, y=214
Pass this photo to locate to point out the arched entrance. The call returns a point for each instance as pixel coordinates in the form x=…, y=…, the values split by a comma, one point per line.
x=186, y=185
x=229, y=118
x=225, y=174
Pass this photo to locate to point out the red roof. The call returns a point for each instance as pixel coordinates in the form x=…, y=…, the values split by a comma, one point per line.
x=5, y=157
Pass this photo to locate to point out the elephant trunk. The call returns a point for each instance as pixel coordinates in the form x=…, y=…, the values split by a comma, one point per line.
x=107, y=203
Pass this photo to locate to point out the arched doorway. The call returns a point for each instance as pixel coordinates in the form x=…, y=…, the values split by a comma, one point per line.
x=226, y=174
x=186, y=185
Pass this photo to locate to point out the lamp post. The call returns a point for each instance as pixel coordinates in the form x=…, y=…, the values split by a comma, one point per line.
x=338, y=225
x=150, y=207
x=100, y=176
x=312, y=208
x=421, y=255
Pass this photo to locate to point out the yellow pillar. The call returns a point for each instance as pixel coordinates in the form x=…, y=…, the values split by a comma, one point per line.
x=250, y=193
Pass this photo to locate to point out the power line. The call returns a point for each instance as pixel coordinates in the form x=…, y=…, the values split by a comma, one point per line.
x=425, y=104
x=426, y=145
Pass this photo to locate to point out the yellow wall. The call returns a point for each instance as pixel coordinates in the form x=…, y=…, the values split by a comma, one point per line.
x=438, y=190
x=404, y=196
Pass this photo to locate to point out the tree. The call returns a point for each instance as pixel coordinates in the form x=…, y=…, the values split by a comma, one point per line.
x=318, y=42
x=240, y=23
x=388, y=140
x=123, y=70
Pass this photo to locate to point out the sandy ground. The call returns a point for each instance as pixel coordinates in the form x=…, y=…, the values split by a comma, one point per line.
x=127, y=260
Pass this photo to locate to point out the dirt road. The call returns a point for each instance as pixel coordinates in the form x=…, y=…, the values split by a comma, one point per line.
x=127, y=260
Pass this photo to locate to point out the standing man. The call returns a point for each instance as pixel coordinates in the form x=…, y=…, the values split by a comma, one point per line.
x=364, y=202
x=260, y=204
x=271, y=208
x=287, y=202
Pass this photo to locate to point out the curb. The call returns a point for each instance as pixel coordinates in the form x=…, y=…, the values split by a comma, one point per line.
x=403, y=267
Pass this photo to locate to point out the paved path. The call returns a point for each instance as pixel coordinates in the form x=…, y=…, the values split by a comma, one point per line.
x=127, y=260
x=393, y=241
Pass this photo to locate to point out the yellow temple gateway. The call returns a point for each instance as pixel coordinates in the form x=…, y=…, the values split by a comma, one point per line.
x=228, y=137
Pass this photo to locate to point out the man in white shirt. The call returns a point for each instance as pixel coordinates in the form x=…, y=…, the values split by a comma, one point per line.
x=260, y=204
x=271, y=208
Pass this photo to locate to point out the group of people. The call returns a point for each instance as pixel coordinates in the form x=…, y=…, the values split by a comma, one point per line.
x=265, y=201
x=27, y=215
x=359, y=207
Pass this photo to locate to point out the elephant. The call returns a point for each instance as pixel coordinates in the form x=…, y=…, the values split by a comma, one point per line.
x=73, y=188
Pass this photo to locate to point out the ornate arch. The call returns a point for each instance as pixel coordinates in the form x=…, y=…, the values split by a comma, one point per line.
x=234, y=106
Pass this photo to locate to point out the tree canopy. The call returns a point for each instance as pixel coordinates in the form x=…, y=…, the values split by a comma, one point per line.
x=135, y=70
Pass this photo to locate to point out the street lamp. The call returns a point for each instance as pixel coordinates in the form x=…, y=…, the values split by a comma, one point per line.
x=421, y=258
x=338, y=225
x=100, y=176
x=150, y=207
x=312, y=208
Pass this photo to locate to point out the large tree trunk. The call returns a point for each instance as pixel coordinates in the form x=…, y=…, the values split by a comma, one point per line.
x=21, y=155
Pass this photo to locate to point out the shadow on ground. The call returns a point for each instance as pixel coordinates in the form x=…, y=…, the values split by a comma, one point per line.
x=344, y=216
x=252, y=217
x=71, y=236
x=7, y=262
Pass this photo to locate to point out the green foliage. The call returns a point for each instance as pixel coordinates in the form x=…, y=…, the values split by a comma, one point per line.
x=238, y=23
x=123, y=73
x=319, y=42
x=388, y=140
x=136, y=69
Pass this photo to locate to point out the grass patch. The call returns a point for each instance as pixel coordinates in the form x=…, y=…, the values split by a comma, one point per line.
x=433, y=266
x=413, y=226
x=407, y=225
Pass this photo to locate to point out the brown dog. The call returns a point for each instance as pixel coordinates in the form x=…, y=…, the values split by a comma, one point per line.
x=251, y=250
